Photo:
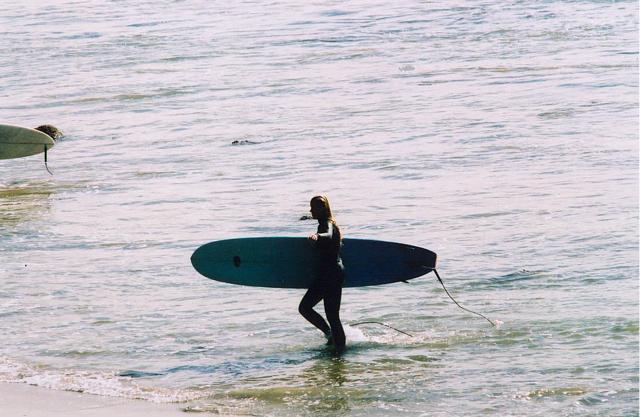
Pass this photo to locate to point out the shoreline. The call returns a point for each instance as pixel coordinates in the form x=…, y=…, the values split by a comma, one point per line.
x=23, y=400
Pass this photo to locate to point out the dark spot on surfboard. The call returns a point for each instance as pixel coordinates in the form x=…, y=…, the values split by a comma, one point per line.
x=244, y=142
x=236, y=261
x=51, y=130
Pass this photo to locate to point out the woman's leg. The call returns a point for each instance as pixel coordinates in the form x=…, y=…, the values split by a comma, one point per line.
x=332, y=299
x=310, y=299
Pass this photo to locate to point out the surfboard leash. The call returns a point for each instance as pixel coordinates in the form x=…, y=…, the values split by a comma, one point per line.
x=450, y=296
x=381, y=324
x=458, y=304
x=45, y=160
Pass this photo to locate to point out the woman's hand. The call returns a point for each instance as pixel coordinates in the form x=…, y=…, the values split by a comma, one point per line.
x=313, y=237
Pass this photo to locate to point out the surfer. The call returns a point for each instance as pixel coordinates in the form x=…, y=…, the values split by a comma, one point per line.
x=50, y=130
x=328, y=285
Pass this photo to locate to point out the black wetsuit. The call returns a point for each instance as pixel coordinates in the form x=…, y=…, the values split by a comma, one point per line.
x=329, y=244
x=328, y=284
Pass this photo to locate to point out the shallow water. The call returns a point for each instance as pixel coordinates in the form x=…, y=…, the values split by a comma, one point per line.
x=504, y=137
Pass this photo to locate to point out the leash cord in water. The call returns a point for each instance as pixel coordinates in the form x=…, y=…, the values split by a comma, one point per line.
x=381, y=324
x=450, y=296
x=458, y=304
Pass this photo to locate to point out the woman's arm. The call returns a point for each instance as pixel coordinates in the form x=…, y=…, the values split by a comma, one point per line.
x=323, y=237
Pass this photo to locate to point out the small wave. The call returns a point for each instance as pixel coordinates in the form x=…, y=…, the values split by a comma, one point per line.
x=630, y=327
x=553, y=392
x=373, y=337
x=557, y=114
x=139, y=374
x=84, y=35
x=519, y=276
x=27, y=188
x=359, y=338
x=102, y=383
x=335, y=13
x=235, y=368
x=596, y=398
x=146, y=24
x=492, y=214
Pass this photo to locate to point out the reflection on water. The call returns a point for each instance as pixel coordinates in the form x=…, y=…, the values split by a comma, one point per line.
x=330, y=372
x=24, y=202
x=318, y=388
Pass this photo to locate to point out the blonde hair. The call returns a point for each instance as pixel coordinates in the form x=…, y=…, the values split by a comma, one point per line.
x=327, y=209
x=325, y=204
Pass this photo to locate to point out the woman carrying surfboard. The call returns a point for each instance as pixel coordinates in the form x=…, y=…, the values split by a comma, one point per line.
x=328, y=286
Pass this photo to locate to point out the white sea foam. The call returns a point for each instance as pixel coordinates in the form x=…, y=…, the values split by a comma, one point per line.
x=353, y=334
x=98, y=383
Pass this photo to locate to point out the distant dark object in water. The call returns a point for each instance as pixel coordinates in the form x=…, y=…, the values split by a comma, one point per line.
x=244, y=142
x=51, y=130
x=306, y=217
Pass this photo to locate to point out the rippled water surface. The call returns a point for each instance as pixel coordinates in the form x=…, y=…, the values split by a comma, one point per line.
x=501, y=135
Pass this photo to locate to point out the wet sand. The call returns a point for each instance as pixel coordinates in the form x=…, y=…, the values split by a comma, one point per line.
x=22, y=400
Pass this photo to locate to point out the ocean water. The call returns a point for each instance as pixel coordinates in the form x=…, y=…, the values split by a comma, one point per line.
x=501, y=135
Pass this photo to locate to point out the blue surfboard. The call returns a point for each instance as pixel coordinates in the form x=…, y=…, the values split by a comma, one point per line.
x=292, y=262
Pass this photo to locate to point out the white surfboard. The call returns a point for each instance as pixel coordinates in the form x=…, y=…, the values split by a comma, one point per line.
x=17, y=141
